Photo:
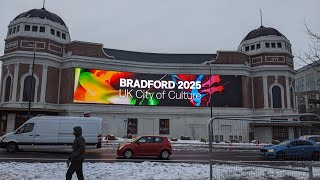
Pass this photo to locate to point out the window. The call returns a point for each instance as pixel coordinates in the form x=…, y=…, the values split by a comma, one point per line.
x=35, y=28
x=18, y=28
x=240, y=138
x=14, y=30
x=310, y=82
x=306, y=143
x=10, y=31
x=247, y=48
x=8, y=89
x=158, y=139
x=267, y=45
x=27, y=89
x=230, y=138
x=300, y=84
x=258, y=46
x=276, y=97
x=279, y=45
x=132, y=127
x=164, y=126
x=42, y=29
x=221, y=138
x=145, y=139
x=216, y=138
x=235, y=137
x=26, y=128
x=273, y=45
x=52, y=31
x=63, y=36
x=27, y=27
x=58, y=33
x=252, y=47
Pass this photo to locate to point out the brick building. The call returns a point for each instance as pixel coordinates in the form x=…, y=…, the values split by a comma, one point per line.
x=74, y=77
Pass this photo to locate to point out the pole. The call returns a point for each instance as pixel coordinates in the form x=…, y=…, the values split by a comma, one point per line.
x=31, y=85
x=210, y=93
x=210, y=130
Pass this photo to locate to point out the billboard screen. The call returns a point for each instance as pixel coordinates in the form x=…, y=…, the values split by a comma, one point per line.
x=142, y=89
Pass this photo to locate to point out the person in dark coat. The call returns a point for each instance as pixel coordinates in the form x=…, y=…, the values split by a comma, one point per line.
x=76, y=159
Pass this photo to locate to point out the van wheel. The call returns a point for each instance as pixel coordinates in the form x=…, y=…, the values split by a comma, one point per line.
x=12, y=147
x=128, y=154
x=164, y=154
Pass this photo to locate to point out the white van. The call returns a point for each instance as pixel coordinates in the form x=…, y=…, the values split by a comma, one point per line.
x=53, y=133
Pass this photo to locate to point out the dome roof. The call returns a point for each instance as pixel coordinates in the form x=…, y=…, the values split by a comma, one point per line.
x=42, y=14
x=262, y=31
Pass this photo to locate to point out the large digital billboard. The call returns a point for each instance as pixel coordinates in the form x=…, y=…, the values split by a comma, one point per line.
x=142, y=89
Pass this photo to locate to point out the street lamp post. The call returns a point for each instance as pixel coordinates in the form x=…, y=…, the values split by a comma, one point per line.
x=31, y=84
x=210, y=92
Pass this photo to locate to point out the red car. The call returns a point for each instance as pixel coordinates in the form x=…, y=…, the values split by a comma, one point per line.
x=146, y=146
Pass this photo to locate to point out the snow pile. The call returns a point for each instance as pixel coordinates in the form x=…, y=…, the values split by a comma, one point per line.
x=143, y=171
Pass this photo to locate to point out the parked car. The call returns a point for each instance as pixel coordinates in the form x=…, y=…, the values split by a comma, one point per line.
x=296, y=148
x=146, y=146
x=234, y=141
x=315, y=138
x=53, y=133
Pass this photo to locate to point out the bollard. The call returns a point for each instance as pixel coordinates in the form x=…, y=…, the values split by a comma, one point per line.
x=310, y=171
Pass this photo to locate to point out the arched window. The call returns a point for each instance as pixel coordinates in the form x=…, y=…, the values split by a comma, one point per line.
x=276, y=97
x=27, y=88
x=7, y=89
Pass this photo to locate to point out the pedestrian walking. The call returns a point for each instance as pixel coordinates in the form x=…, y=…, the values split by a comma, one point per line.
x=76, y=159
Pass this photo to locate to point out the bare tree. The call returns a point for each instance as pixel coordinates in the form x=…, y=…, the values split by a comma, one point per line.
x=312, y=55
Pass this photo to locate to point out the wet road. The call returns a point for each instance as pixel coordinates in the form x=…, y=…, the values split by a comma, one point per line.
x=180, y=155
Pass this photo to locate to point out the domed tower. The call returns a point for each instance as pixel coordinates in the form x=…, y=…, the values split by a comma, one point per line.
x=39, y=23
x=265, y=40
x=272, y=69
x=34, y=37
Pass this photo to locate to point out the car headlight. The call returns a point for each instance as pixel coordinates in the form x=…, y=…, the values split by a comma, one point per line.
x=271, y=150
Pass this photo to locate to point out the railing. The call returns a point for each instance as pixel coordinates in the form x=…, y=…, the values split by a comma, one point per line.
x=257, y=118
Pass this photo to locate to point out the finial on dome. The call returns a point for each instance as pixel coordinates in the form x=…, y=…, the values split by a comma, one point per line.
x=44, y=3
x=261, y=18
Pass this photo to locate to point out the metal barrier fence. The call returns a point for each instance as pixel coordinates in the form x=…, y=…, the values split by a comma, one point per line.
x=241, y=147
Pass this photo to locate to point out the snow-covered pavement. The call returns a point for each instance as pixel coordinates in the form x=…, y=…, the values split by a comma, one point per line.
x=143, y=171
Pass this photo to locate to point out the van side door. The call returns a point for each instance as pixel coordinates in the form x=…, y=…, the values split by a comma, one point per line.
x=66, y=137
x=25, y=136
x=46, y=136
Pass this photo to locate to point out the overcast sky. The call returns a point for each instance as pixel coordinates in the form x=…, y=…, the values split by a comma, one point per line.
x=174, y=26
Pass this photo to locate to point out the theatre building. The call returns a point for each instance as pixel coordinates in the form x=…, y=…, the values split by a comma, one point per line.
x=147, y=92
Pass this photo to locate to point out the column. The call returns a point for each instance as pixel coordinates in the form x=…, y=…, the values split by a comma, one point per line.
x=265, y=92
x=15, y=83
x=288, y=95
x=44, y=84
x=291, y=132
x=11, y=121
x=306, y=102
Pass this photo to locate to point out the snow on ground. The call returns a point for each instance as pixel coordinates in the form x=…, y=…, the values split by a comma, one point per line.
x=143, y=171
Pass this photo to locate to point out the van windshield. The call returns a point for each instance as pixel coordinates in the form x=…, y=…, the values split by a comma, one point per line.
x=26, y=128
